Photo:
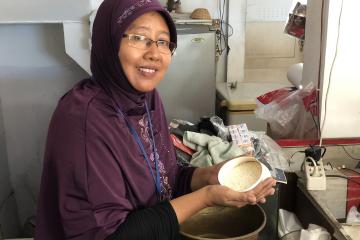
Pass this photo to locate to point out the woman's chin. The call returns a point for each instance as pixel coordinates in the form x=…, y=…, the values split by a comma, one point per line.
x=145, y=88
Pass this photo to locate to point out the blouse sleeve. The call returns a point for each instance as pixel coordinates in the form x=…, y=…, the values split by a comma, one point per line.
x=91, y=186
x=152, y=223
x=183, y=180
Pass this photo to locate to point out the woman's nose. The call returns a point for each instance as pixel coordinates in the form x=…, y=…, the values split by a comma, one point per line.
x=153, y=52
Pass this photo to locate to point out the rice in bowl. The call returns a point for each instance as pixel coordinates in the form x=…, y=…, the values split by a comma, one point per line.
x=243, y=175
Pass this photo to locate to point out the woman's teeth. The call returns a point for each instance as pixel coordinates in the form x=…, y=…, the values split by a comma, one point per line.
x=147, y=70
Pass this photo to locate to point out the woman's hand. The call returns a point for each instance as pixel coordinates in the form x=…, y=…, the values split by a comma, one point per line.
x=224, y=196
x=207, y=192
x=206, y=176
x=214, y=172
x=264, y=189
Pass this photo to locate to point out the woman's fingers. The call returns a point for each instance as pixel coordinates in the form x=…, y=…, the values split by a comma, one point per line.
x=264, y=189
x=269, y=192
x=263, y=186
x=221, y=195
x=256, y=195
x=241, y=197
x=237, y=199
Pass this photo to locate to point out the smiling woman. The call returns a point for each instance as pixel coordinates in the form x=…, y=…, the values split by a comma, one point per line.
x=110, y=170
x=144, y=60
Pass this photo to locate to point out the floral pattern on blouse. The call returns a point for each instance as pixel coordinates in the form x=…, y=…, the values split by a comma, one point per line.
x=166, y=190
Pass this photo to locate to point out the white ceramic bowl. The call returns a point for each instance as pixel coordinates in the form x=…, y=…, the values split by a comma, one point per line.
x=243, y=173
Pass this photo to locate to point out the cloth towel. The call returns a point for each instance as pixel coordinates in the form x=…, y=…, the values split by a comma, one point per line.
x=210, y=150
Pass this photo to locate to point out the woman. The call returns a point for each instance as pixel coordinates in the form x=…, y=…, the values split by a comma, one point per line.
x=110, y=170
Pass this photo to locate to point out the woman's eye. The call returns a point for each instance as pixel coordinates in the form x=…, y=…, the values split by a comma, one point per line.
x=163, y=43
x=137, y=38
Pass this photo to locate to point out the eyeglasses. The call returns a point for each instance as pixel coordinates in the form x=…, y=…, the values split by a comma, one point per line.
x=144, y=43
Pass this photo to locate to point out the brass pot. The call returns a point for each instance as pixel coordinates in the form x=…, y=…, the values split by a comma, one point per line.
x=225, y=223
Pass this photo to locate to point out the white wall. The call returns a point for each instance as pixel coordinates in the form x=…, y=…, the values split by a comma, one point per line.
x=259, y=45
x=236, y=56
x=313, y=44
x=340, y=98
x=34, y=73
x=268, y=10
x=44, y=10
x=8, y=211
x=268, y=52
x=336, y=55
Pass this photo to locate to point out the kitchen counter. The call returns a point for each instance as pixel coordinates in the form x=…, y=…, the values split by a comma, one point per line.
x=321, y=200
x=243, y=97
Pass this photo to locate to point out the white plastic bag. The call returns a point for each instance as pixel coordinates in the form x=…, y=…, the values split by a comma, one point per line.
x=353, y=216
x=315, y=232
x=290, y=113
x=288, y=223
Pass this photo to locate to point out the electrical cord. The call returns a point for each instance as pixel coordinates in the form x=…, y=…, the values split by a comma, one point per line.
x=347, y=153
x=219, y=8
x=289, y=233
x=223, y=10
x=292, y=155
x=316, y=170
x=320, y=63
x=221, y=31
x=223, y=37
x=329, y=164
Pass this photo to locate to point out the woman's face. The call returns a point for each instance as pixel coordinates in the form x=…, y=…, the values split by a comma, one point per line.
x=144, y=68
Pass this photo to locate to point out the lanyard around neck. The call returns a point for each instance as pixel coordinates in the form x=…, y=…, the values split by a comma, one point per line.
x=156, y=178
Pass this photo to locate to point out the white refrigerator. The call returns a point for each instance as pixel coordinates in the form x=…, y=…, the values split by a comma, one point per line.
x=188, y=89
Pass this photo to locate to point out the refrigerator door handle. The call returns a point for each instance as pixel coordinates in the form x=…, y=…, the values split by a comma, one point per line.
x=198, y=40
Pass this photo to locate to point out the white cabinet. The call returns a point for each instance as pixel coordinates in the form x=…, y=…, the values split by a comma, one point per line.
x=237, y=105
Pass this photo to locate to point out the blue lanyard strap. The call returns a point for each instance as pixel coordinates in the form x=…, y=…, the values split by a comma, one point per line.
x=156, y=178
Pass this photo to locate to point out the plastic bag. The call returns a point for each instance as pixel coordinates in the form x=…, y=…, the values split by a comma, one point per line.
x=315, y=232
x=268, y=152
x=296, y=22
x=222, y=130
x=290, y=112
x=353, y=216
x=289, y=223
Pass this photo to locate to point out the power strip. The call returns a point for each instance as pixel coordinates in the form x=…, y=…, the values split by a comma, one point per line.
x=315, y=175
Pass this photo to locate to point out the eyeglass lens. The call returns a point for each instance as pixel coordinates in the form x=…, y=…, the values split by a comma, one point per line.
x=142, y=42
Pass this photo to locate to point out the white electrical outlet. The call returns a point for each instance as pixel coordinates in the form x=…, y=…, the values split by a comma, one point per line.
x=315, y=175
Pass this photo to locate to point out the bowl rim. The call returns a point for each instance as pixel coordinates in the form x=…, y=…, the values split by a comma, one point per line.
x=234, y=162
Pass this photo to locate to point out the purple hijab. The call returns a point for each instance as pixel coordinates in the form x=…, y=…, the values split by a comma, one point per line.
x=94, y=174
